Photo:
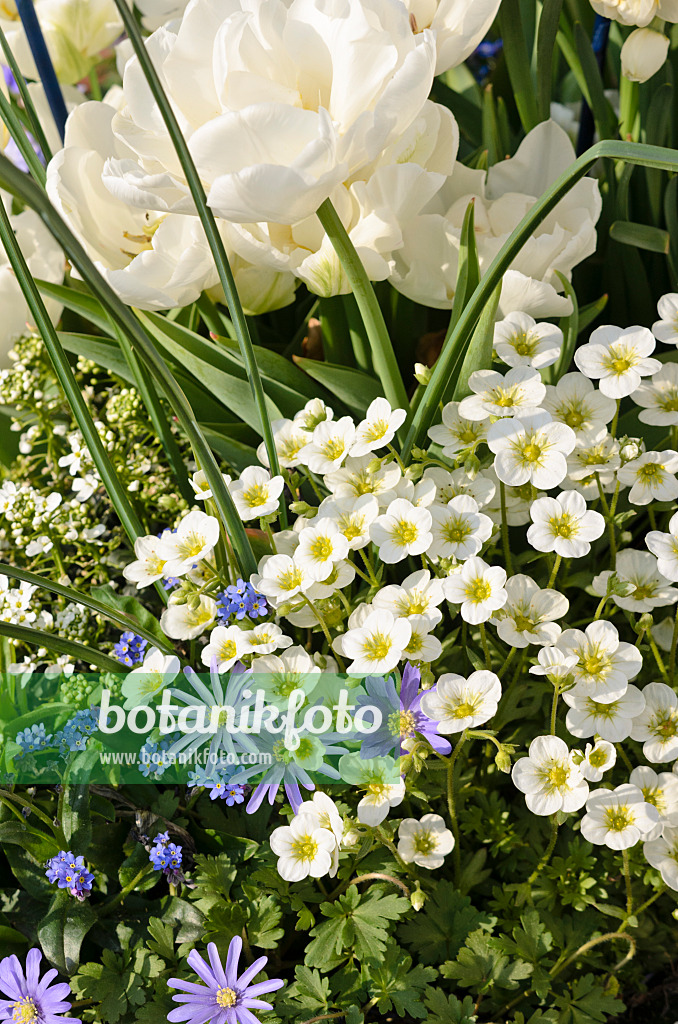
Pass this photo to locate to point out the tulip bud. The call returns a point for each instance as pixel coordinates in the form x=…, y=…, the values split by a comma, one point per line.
x=643, y=54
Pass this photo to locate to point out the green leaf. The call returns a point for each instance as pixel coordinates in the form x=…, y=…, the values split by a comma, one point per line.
x=39, y=638
x=479, y=353
x=131, y=614
x=439, y=933
x=42, y=714
x=40, y=845
x=642, y=236
x=63, y=929
x=587, y=1003
x=546, y=41
x=310, y=991
x=353, y=387
x=356, y=923
x=481, y=965
x=444, y=1009
x=78, y=302
x=397, y=985
x=262, y=924
x=603, y=114
x=75, y=818
x=234, y=452
x=162, y=937
x=518, y=63
x=569, y=325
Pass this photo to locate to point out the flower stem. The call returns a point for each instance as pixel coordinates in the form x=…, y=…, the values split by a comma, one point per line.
x=504, y=531
x=554, y=571
x=627, y=879
x=451, y=805
x=486, y=649
x=554, y=707
x=547, y=853
x=672, y=656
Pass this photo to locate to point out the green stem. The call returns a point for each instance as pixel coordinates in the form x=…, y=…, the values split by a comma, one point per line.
x=504, y=531
x=486, y=649
x=383, y=356
x=672, y=655
x=547, y=853
x=627, y=880
x=554, y=707
x=657, y=656
x=105, y=909
x=554, y=571
x=451, y=804
x=648, y=903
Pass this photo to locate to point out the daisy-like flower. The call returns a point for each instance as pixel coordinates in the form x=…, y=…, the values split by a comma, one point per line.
x=256, y=493
x=605, y=664
x=529, y=615
x=378, y=777
x=555, y=664
x=417, y=595
x=378, y=428
x=612, y=721
x=618, y=818
x=660, y=790
x=402, y=717
x=457, y=703
x=324, y=810
x=652, y=589
x=377, y=646
x=226, y=645
x=356, y=477
x=459, y=530
x=150, y=562
x=280, y=578
x=662, y=854
x=145, y=681
x=549, y=777
x=659, y=397
x=426, y=842
x=225, y=997
x=188, y=621
x=478, y=588
x=264, y=639
x=512, y=394
x=575, y=401
x=353, y=517
x=314, y=412
x=456, y=434
x=279, y=674
x=423, y=646
x=656, y=727
x=564, y=524
x=303, y=848
x=521, y=341
x=651, y=477
x=618, y=359
x=193, y=540
x=594, y=457
x=320, y=547
x=332, y=441
x=665, y=547
x=30, y=998
x=289, y=438
x=449, y=485
x=404, y=530
x=598, y=759
x=531, y=448
x=666, y=328
x=202, y=489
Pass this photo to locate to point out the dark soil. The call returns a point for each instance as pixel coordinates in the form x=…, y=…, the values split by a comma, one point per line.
x=659, y=1005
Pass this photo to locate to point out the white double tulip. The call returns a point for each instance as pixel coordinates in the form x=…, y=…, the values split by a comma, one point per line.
x=286, y=102
x=458, y=25
x=426, y=265
x=152, y=260
x=636, y=12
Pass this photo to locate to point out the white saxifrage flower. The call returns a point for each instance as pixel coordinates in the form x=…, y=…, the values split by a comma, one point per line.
x=662, y=854
x=280, y=578
x=146, y=681
x=618, y=818
x=357, y=477
x=666, y=328
x=256, y=493
x=481, y=488
x=564, y=524
x=378, y=428
x=378, y=777
x=324, y=810
x=353, y=517
x=149, y=565
x=529, y=615
x=598, y=759
x=520, y=341
x=651, y=589
x=404, y=530
x=320, y=547
x=514, y=393
x=575, y=402
x=478, y=588
x=550, y=778
x=426, y=842
x=376, y=646
x=193, y=540
x=531, y=448
x=594, y=458
x=457, y=703
x=303, y=848
x=417, y=595
x=659, y=397
x=660, y=790
x=264, y=639
x=555, y=664
x=272, y=133
x=422, y=646
x=226, y=645
x=456, y=433
x=656, y=727
x=618, y=359
x=665, y=547
x=651, y=477
x=289, y=438
x=190, y=620
x=605, y=664
x=279, y=675
x=611, y=721
x=332, y=441
x=459, y=530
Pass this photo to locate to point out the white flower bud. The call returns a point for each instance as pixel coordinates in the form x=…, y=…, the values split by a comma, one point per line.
x=643, y=54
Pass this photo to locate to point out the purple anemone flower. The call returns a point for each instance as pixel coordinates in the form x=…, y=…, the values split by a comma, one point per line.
x=32, y=1000
x=401, y=716
x=225, y=998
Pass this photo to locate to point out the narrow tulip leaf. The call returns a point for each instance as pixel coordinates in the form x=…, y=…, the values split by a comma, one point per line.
x=570, y=327
x=18, y=133
x=642, y=236
x=236, y=453
x=546, y=41
x=337, y=346
x=658, y=133
x=479, y=353
x=588, y=313
x=78, y=302
x=603, y=115
x=112, y=608
x=491, y=140
x=39, y=638
x=671, y=216
x=34, y=121
x=518, y=62
x=468, y=269
x=353, y=387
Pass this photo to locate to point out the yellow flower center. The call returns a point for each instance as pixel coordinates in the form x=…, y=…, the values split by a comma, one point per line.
x=650, y=472
x=228, y=649
x=255, y=495
x=479, y=590
x=557, y=775
x=465, y=709
x=563, y=525
x=290, y=579
x=574, y=418
x=321, y=549
x=456, y=530
x=191, y=545
x=424, y=843
x=404, y=533
x=532, y=452
x=24, y=1012
x=226, y=997
x=618, y=818
x=505, y=398
x=376, y=430
x=377, y=647
x=523, y=344
x=401, y=723
x=665, y=724
x=304, y=848
x=597, y=758
x=333, y=449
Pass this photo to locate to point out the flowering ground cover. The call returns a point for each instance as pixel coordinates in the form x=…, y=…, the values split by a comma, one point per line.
x=338, y=529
